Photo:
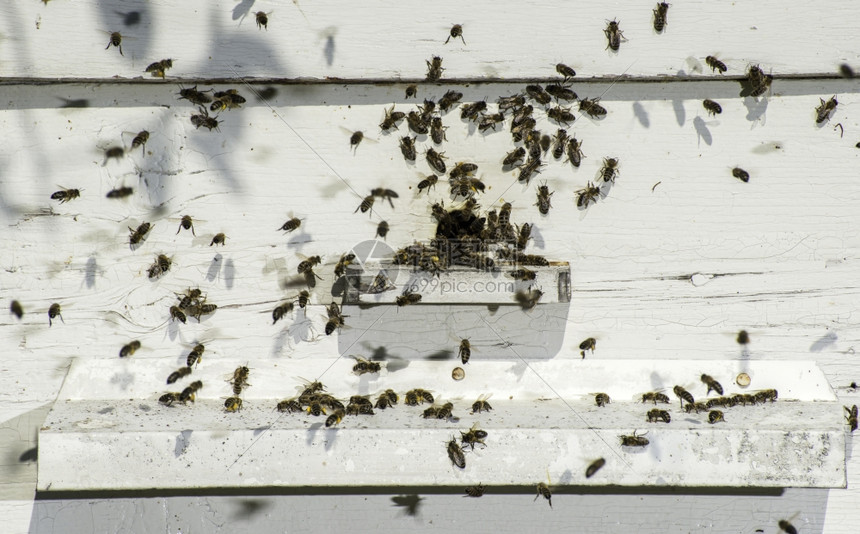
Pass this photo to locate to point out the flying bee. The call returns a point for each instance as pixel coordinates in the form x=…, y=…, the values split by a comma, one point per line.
x=716, y=64
x=683, y=395
x=382, y=229
x=195, y=356
x=436, y=160
x=455, y=453
x=823, y=111
x=514, y=156
x=412, y=90
x=531, y=167
x=262, y=19
x=391, y=119
x=715, y=416
x=66, y=195
x=634, y=440
x=655, y=397
x=177, y=314
x=562, y=92
x=157, y=69
x=660, y=16
x=564, y=70
x=456, y=31
x=339, y=270
x=190, y=392
x=657, y=414
x=385, y=193
x=528, y=299
x=481, y=405
x=609, y=170
x=408, y=298
x=363, y=366
x=177, y=374
x=233, y=404
x=743, y=338
x=427, y=183
x=851, y=418
x=449, y=100
x=129, y=349
x=16, y=309
x=308, y=264
x=523, y=274
x=203, y=119
x=594, y=467
x=386, y=399
x=614, y=36
x=335, y=319
x=543, y=199
x=465, y=351
x=474, y=436
x=434, y=69
x=115, y=40
x=589, y=194
x=545, y=143
x=194, y=96
x=407, y=147
x=592, y=107
x=712, y=107
x=335, y=418
x=355, y=139
x=561, y=115
x=601, y=399
x=120, y=192
x=574, y=151
x=291, y=224
x=471, y=111
x=186, y=223
x=543, y=490
x=741, y=174
x=712, y=384
x=169, y=398
x=475, y=491
x=279, y=312
x=140, y=140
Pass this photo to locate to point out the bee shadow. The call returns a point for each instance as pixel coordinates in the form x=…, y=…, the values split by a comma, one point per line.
x=641, y=115
x=214, y=267
x=248, y=508
x=408, y=503
x=312, y=433
x=702, y=131
x=755, y=108
x=229, y=273
x=328, y=50
x=90, y=272
x=182, y=441
x=331, y=436
x=241, y=10
x=824, y=342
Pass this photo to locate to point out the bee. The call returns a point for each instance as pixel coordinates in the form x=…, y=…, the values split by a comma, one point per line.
x=382, y=229
x=823, y=111
x=335, y=319
x=408, y=298
x=161, y=266
x=758, y=81
x=787, y=527
x=634, y=440
x=203, y=119
x=188, y=394
x=308, y=264
x=588, y=344
x=741, y=174
x=204, y=309
x=766, y=395
x=417, y=396
x=655, y=397
x=528, y=299
x=355, y=139
x=412, y=90
x=195, y=356
x=601, y=399
x=391, y=118
x=437, y=130
x=455, y=453
x=427, y=183
x=16, y=309
x=743, y=338
x=140, y=140
x=715, y=416
x=463, y=168
x=473, y=436
x=316, y=408
x=228, y=99
x=169, y=398
x=436, y=160
x=363, y=366
x=120, y=192
x=407, y=148
x=490, y=121
x=609, y=170
x=712, y=107
x=456, y=31
x=594, y=467
x=434, y=69
x=387, y=399
x=657, y=414
x=561, y=115
x=481, y=405
x=471, y=111
x=712, y=384
x=279, y=312
x=523, y=236
x=194, y=96
x=564, y=70
x=465, y=351
x=445, y=411
x=562, y=92
x=416, y=123
x=475, y=491
x=537, y=93
x=592, y=107
x=613, y=36
x=129, y=349
x=523, y=274
x=574, y=151
x=157, y=69
x=716, y=64
x=177, y=374
x=587, y=195
x=233, y=404
x=695, y=407
x=262, y=19
x=660, y=16
x=514, y=156
x=115, y=40
x=334, y=418
x=218, y=239
x=339, y=270
x=851, y=418
x=289, y=406
x=449, y=100
x=293, y=224
x=532, y=166
x=66, y=195
x=186, y=223
x=543, y=490
x=683, y=394
x=177, y=314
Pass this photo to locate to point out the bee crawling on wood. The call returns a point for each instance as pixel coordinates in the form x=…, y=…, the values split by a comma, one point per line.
x=160, y=266
x=660, y=16
x=449, y=100
x=609, y=170
x=408, y=298
x=590, y=194
x=634, y=440
x=481, y=405
x=233, y=404
x=411, y=90
x=592, y=107
x=194, y=96
x=434, y=69
x=386, y=399
x=455, y=453
x=474, y=436
x=475, y=491
x=203, y=119
x=66, y=195
x=655, y=397
x=564, y=70
x=614, y=35
x=823, y=111
x=407, y=148
x=715, y=416
x=391, y=119
x=657, y=414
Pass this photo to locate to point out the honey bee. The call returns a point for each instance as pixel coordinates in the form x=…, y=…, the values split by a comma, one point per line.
x=416, y=123
x=186, y=223
x=851, y=418
x=228, y=99
x=574, y=151
x=758, y=81
x=262, y=20
x=115, y=40
x=382, y=229
x=528, y=299
x=194, y=96
x=335, y=418
x=471, y=111
x=564, y=70
x=715, y=416
x=66, y=195
x=360, y=399
x=543, y=490
x=589, y=194
x=335, y=319
x=481, y=405
x=456, y=31
x=417, y=396
x=233, y=404
x=292, y=224
x=140, y=140
x=613, y=36
x=177, y=314
x=308, y=264
x=475, y=491
x=445, y=411
x=407, y=148
x=766, y=395
x=609, y=170
x=741, y=174
x=588, y=344
x=695, y=407
x=203, y=119
x=712, y=384
x=465, y=351
x=523, y=274
x=189, y=393
x=592, y=107
x=289, y=406
x=660, y=16
x=391, y=119
x=177, y=374
x=514, y=156
x=531, y=167
x=363, y=366
x=561, y=115
x=199, y=311
x=427, y=183
x=157, y=69
x=634, y=440
x=449, y=100
x=16, y=309
x=743, y=338
x=355, y=139
x=523, y=236
x=434, y=69
x=683, y=395
x=490, y=121
x=169, y=398
x=455, y=453
x=562, y=92
x=436, y=160
x=823, y=111
x=474, y=436
x=601, y=399
x=408, y=298
x=129, y=349
x=120, y=192
x=195, y=356
x=437, y=130
x=463, y=168
x=712, y=107
x=161, y=266
x=537, y=93
x=412, y=90
x=716, y=64
x=658, y=414
x=280, y=311
x=787, y=527
x=387, y=399
x=655, y=397
x=594, y=467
